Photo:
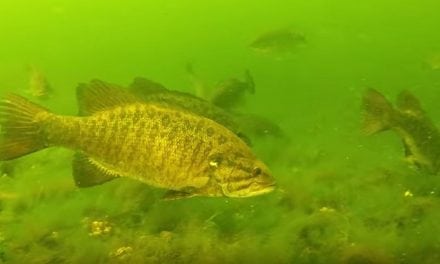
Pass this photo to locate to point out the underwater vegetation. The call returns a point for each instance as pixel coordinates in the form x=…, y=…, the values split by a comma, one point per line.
x=348, y=219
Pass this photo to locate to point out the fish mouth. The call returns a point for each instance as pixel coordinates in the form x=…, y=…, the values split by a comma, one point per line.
x=266, y=189
x=250, y=192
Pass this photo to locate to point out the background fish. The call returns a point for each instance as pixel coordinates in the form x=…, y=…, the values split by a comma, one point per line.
x=279, y=41
x=259, y=126
x=120, y=135
x=39, y=86
x=230, y=94
x=420, y=137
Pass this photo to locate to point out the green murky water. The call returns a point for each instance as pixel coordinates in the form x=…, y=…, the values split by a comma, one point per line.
x=341, y=198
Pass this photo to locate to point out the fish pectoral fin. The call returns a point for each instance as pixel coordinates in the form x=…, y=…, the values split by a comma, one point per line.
x=88, y=173
x=175, y=195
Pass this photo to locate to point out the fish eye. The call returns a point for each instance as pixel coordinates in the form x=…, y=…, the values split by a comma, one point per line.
x=215, y=161
x=256, y=171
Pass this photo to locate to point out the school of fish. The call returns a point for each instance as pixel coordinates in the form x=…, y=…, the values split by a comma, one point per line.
x=189, y=145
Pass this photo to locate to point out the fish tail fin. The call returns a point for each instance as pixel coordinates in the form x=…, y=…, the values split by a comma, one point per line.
x=378, y=112
x=20, y=127
x=408, y=103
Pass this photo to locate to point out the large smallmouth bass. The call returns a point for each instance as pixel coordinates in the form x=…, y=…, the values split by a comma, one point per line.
x=121, y=135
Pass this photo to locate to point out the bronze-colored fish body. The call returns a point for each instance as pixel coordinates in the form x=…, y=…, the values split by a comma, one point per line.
x=153, y=92
x=123, y=136
x=420, y=137
x=159, y=146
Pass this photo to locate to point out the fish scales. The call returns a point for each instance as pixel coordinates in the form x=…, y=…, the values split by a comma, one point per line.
x=150, y=92
x=160, y=143
x=162, y=146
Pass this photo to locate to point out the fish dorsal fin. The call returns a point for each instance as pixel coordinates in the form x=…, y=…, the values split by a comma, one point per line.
x=151, y=91
x=144, y=87
x=407, y=102
x=98, y=96
x=88, y=172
